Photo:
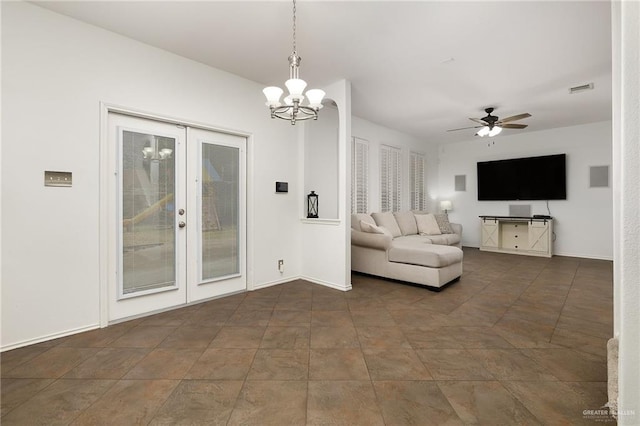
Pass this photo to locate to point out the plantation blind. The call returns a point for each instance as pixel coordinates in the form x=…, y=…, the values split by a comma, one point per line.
x=417, y=196
x=360, y=176
x=390, y=179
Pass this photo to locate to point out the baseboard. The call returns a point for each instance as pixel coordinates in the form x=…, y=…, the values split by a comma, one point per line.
x=52, y=336
x=584, y=256
x=326, y=283
x=272, y=283
x=302, y=277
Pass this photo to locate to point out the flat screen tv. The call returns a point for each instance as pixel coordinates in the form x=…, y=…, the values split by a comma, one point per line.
x=531, y=178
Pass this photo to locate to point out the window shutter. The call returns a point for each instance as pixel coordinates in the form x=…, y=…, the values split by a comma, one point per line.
x=390, y=179
x=416, y=181
x=360, y=176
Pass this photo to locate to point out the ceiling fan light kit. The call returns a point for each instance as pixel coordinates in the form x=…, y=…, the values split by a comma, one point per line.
x=293, y=110
x=488, y=131
x=491, y=125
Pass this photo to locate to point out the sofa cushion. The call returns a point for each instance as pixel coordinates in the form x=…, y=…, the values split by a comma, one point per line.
x=443, y=223
x=357, y=217
x=388, y=221
x=443, y=239
x=406, y=222
x=419, y=253
x=427, y=224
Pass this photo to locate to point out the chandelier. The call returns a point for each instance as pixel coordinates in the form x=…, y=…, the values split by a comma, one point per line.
x=293, y=110
x=153, y=151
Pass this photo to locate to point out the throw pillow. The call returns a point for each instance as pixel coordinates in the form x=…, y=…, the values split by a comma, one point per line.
x=388, y=221
x=443, y=223
x=427, y=224
x=406, y=222
x=372, y=229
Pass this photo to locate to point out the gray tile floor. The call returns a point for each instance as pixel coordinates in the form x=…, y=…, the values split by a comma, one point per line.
x=518, y=340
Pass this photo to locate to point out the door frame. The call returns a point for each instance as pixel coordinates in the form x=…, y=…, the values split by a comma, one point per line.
x=105, y=257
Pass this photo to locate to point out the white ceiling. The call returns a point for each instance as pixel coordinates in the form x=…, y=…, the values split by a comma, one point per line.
x=421, y=67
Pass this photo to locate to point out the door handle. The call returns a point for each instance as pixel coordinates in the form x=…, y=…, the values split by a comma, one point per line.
x=181, y=224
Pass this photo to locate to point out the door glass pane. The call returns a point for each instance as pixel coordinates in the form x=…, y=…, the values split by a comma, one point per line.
x=148, y=224
x=219, y=211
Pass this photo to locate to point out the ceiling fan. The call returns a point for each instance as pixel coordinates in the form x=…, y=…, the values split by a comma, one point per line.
x=491, y=125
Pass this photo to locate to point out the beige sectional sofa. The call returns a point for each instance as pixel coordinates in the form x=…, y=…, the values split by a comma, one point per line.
x=390, y=245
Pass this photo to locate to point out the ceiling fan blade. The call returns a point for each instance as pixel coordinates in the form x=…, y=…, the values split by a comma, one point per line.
x=514, y=118
x=479, y=121
x=513, y=126
x=464, y=128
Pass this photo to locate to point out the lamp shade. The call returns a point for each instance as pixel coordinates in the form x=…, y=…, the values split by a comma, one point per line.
x=272, y=93
x=296, y=86
x=495, y=131
x=483, y=132
x=315, y=98
x=446, y=205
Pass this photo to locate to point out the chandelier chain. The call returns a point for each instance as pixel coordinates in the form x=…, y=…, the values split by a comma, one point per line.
x=294, y=26
x=293, y=110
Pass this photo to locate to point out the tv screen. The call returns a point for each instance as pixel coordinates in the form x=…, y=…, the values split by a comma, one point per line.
x=531, y=178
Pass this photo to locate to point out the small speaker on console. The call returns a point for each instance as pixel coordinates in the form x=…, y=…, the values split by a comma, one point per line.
x=598, y=176
x=520, y=210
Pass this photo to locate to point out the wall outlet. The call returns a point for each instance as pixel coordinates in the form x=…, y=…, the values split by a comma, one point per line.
x=281, y=265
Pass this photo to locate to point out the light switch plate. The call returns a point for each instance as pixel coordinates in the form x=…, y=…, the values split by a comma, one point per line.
x=57, y=178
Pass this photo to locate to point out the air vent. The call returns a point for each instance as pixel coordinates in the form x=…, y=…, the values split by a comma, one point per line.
x=581, y=88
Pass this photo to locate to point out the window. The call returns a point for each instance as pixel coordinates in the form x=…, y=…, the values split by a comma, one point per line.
x=417, y=197
x=360, y=176
x=390, y=181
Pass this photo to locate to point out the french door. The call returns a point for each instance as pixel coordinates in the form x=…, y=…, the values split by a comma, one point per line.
x=176, y=217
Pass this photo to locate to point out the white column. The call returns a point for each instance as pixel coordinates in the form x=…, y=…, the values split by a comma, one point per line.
x=626, y=183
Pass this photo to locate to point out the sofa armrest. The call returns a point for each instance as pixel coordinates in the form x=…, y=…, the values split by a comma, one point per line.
x=366, y=239
x=457, y=228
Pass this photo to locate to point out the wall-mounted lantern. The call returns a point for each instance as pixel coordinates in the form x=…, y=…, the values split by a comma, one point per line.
x=312, y=205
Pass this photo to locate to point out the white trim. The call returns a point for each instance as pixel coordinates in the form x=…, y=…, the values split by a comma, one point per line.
x=273, y=283
x=49, y=337
x=103, y=221
x=325, y=283
x=171, y=120
x=320, y=221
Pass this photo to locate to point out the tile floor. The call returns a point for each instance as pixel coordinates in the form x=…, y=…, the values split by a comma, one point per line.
x=518, y=340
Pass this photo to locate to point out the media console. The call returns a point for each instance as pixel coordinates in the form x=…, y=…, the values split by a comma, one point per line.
x=530, y=236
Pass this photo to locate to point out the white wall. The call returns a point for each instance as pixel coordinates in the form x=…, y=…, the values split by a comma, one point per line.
x=325, y=251
x=55, y=73
x=321, y=161
x=378, y=135
x=583, y=222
